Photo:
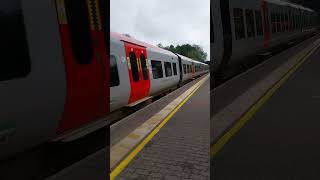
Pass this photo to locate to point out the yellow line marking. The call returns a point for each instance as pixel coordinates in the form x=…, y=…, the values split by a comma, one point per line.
x=141, y=145
x=215, y=148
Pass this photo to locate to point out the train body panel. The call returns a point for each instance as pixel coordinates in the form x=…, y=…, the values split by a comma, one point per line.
x=186, y=68
x=86, y=64
x=32, y=104
x=120, y=83
x=164, y=77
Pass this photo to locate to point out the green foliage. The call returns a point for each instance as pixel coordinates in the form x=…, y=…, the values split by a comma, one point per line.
x=194, y=52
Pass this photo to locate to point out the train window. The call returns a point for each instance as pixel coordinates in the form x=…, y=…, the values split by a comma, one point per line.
x=273, y=23
x=250, y=23
x=211, y=27
x=134, y=66
x=77, y=15
x=144, y=67
x=282, y=23
x=189, y=68
x=239, y=23
x=114, y=75
x=157, y=69
x=14, y=47
x=184, y=69
x=294, y=21
x=286, y=22
x=174, y=65
x=278, y=22
x=167, y=69
x=266, y=19
x=258, y=23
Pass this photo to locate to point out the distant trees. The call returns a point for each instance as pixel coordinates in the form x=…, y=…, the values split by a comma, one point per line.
x=194, y=52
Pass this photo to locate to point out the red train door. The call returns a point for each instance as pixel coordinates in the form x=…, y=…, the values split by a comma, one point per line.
x=138, y=72
x=266, y=25
x=86, y=63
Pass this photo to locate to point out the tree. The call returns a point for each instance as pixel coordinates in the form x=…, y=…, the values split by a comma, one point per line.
x=194, y=52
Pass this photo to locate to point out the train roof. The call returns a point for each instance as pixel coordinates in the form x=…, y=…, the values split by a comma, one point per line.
x=290, y=4
x=125, y=38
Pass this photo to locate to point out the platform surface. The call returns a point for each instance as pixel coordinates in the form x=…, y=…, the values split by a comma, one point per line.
x=94, y=166
x=180, y=150
x=281, y=141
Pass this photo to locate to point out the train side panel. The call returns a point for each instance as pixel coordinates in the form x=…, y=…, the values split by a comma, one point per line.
x=160, y=81
x=120, y=86
x=31, y=106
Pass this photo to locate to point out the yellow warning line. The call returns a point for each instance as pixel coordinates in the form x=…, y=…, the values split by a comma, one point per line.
x=215, y=148
x=135, y=152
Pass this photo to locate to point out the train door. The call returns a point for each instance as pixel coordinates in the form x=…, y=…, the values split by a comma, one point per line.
x=221, y=41
x=266, y=23
x=180, y=71
x=138, y=72
x=86, y=62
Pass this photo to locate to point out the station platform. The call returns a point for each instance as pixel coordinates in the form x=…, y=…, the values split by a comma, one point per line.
x=94, y=166
x=176, y=148
x=279, y=135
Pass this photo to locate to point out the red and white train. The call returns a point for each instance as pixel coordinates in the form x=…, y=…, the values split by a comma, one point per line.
x=55, y=70
x=243, y=28
x=140, y=70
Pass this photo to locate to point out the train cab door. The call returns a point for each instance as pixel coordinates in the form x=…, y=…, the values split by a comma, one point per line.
x=138, y=72
x=86, y=62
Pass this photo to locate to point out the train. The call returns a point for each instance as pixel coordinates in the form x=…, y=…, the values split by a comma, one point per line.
x=140, y=71
x=61, y=76
x=240, y=29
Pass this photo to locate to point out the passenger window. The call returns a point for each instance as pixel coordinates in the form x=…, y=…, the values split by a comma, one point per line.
x=282, y=23
x=259, y=23
x=167, y=69
x=144, y=67
x=239, y=23
x=278, y=22
x=134, y=67
x=184, y=69
x=77, y=15
x=250, y=23
x=286, y=22
x=273, y=23
x=211, y=27
x=157, y=69
x=174, y=65
x=114, y=75
x=266, y=19
x=15, y=60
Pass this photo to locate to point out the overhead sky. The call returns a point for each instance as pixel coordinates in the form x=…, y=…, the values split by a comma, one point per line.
x=163, y=21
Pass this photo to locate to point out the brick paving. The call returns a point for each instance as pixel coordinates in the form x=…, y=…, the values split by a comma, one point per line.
x=181, y=149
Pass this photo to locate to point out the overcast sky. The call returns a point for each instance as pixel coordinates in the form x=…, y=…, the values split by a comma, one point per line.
x=163, y=21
